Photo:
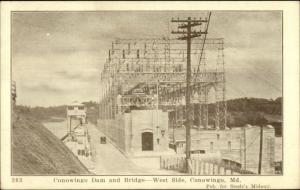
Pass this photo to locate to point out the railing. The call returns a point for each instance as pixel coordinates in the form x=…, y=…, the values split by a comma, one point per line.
x=198, y=166
x=176, y=162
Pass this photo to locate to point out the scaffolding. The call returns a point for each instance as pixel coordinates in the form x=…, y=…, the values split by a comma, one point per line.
x=151, y=73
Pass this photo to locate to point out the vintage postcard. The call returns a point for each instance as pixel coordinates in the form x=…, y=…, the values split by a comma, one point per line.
x=149, y=95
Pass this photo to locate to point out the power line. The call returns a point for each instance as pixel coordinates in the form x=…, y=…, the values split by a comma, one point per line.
x=188, y=34
x=201, y=53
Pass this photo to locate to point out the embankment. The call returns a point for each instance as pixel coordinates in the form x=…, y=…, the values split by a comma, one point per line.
x=36, y=151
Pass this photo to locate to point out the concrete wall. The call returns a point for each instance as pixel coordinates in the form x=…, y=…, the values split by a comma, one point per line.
x=211, y=141
x=252, y=150
x=127, y=134
x=115, y=131
x=126, y=130
x=240, y=145
x=153, y=121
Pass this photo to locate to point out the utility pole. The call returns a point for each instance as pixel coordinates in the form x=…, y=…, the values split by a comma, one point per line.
x=188, y=34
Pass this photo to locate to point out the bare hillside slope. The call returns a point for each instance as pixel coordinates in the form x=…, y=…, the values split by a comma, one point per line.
x=36, y=151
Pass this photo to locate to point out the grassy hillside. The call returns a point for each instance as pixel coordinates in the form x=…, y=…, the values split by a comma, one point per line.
x=58, y=113
x=36, y=151
x=44, y=113
x=241, y=111
x=255, y=111
x=249, y=105
x=92, y=111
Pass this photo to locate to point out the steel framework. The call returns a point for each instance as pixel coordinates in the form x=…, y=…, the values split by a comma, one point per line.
x=146, y=73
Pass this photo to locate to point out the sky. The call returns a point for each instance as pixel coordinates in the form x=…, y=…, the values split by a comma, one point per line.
x=57, y=57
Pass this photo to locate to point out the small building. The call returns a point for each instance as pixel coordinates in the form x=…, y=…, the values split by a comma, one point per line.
x=138, y=132
x=239, y=146
x=77, y=111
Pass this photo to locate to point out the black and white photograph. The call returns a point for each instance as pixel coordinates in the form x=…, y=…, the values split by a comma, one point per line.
x=147, y=92
x=147, y=96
